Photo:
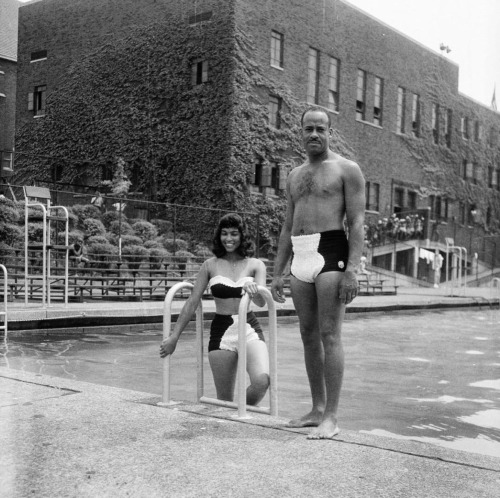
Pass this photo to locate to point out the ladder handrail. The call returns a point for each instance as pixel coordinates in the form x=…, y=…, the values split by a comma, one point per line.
x=242, y=349
x=241, y=392
x=4, y=327
x=167, y=322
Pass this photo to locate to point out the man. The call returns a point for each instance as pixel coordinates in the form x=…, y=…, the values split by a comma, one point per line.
x=320, y=193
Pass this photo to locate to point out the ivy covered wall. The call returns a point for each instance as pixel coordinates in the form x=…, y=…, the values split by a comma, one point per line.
x=133, y=98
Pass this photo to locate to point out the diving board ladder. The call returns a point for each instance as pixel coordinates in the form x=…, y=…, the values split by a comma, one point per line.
x=3, y=314
x=242, y=357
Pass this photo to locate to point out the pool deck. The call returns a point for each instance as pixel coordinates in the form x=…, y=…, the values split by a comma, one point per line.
x=130, y=314
x=66, y=438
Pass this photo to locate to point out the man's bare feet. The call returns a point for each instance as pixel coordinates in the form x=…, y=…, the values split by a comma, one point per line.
x=312, y=419
x=328, y=429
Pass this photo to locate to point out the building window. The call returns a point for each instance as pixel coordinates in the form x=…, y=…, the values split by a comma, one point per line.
x=199, y=73
x=201, y=17
x=435, y=123
x=415, y=115
x=400, y=116
x=7, y=162
x=399, y=198
x=478, y=173
x=372, y=196
x=477, y=130
x=378, y=101
x=313, y=77
x=36, y=100
x=274, y=111
x=333, y=85
x=462, y=208
x=276, y=49
x=39, y=55
x=268, y=178
x=464, y=128
x=361, y=96
x=412, y=200
x=447, y=117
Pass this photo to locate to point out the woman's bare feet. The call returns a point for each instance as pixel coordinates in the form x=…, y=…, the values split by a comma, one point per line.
x=312, y=419
x=327, y=429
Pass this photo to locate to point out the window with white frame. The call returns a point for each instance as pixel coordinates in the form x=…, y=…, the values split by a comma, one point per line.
x=39, y=55
x=401, y=110
x=415, y=115
x=447, y=125
x=477, y=130
x=36, y=100
x=274, y=108
x=372, y=196
x=277, y=49
x=361, y=96
x=333, y=84
x=435, y=123
x=378, y=101
x=199, y=72
x=313, y=76
x=464, y=128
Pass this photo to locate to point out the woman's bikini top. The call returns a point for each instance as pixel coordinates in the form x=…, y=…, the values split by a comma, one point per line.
x=225, y=288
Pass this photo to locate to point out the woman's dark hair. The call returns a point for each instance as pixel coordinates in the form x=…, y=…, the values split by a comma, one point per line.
x=232, y=220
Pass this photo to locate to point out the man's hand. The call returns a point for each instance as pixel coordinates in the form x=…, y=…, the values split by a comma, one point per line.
x=168, y=346
x=277, y=289
x=348, y=288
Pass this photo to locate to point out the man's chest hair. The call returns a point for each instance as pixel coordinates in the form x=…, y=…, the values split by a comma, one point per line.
x=319, y=183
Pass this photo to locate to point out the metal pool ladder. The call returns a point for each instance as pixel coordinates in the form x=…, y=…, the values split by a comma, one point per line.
x=4, y=324
x=242, y=357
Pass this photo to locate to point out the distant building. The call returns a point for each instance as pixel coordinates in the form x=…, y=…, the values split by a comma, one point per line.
x=420, y=143
x=8, y=68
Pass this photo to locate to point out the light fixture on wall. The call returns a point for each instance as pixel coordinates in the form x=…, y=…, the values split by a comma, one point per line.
x=444, y=48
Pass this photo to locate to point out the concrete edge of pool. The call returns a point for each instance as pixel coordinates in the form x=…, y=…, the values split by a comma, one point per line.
x=61, y=437
x=150, y=313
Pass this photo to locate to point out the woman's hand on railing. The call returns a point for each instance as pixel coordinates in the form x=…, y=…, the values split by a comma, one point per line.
x=168, y=346
x=252, y=289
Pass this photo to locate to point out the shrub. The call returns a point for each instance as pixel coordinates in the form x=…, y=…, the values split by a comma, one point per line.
x=73, y=236
x=8, y=211
x=102, y=254
x=93, y=227
x=131, y=240
x=85, y=211
x=97, y=239
x=163, y=226
x=110, y=216
x=134, y=255
x=175, y=245
x=203, y=251
x=35, y=232
x=11, y=234
x=153, y=244
x=157, y=256
x=181, y=259
x=6, y=252
x=145, y=230
x=124, y=229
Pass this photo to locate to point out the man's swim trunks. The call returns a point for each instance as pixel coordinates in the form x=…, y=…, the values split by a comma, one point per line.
x=224, y=332
x=319, y=253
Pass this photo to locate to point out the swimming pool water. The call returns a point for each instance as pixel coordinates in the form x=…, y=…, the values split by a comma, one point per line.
x=425, y=376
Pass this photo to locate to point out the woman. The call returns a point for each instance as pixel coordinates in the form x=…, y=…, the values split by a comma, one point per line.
x=230, y=274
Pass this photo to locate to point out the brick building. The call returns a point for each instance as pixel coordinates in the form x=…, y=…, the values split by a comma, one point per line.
x=420, y=143
x=8, y=68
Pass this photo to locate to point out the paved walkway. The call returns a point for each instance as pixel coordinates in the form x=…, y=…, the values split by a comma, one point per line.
x=60, y=437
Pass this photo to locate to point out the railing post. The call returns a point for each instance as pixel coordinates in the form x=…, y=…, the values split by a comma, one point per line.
x=167, y=321
x=242, y=357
